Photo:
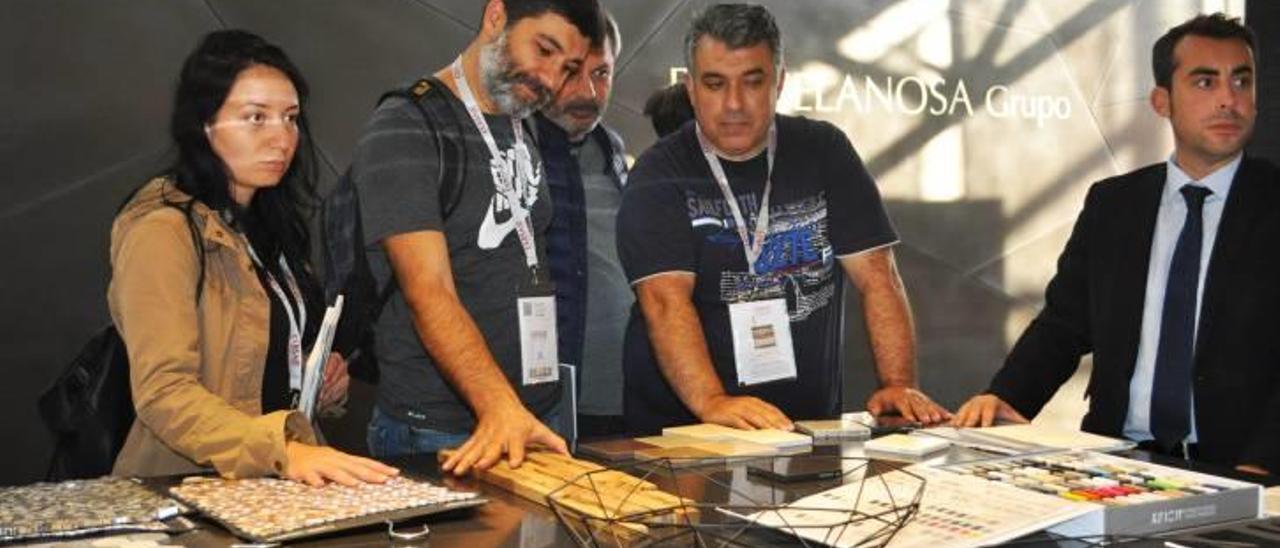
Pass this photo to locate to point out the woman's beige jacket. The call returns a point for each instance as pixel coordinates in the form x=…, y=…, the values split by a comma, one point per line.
x=195, y=367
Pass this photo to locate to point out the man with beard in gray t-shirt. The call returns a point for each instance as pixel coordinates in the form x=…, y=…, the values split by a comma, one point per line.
x=460, y=364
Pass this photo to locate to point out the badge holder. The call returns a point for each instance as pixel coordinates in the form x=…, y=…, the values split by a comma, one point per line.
x=762, y=347
x=539, y=357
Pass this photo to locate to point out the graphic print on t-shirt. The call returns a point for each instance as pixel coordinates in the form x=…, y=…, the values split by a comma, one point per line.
x=501, y=216
x=796, y=262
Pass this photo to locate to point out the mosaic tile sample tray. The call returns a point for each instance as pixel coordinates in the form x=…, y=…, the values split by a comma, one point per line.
x=276, y=510
x=78, y=507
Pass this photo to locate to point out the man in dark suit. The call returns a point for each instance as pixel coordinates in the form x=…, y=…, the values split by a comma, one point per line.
x=1171, y=279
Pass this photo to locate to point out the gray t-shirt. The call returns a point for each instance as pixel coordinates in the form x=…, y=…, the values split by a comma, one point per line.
x=396, y=171
x=609, y=295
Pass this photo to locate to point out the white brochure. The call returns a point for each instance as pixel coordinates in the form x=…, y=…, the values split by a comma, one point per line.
x=313, y=376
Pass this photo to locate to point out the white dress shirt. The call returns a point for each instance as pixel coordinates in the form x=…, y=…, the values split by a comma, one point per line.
x=1169, y=221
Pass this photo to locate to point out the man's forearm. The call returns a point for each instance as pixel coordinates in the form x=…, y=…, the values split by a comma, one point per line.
x=892, y=332
x=890, y=327
x=681, y=350
x=460, y=352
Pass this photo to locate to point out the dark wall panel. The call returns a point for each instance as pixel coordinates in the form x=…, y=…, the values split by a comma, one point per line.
x=84, y=96
x=1264, y=17
x=91, y=86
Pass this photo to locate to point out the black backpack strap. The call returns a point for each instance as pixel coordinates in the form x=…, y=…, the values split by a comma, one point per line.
x=451, y=153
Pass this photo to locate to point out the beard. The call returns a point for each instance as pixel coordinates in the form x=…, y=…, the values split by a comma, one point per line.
x=577, y=117
x=500, y=77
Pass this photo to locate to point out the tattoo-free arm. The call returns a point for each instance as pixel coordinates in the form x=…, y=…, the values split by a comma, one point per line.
x=421, y=264
x=681, y=350
x=891, y=331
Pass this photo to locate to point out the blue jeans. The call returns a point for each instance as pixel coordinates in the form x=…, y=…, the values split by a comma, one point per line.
x=389, y=437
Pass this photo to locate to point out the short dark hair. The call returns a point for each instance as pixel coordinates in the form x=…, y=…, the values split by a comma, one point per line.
x=584, y=15
x=612, y=34
x=1217, y=26
x=738, y=26
x=668, y=109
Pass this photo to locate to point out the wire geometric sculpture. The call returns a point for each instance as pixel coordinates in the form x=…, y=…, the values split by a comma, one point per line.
x=597, y=511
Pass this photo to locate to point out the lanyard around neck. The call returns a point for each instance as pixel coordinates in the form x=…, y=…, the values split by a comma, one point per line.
x=296, y=322
x=752, y=247
x=503, y=171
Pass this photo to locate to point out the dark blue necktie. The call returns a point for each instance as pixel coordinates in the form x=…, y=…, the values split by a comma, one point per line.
x=1171, y=394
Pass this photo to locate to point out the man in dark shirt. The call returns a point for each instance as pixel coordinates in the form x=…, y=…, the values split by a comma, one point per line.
x=586, y=168
x=733, y=232
x=466, y=347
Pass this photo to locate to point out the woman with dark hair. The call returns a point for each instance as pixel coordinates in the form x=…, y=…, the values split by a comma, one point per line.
x=211, y=288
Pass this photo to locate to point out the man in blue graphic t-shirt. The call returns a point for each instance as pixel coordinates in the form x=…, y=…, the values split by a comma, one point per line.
x=733, y=232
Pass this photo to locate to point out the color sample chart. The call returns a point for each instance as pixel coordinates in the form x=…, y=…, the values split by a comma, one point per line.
x=1131, y=497
x=1086, y=477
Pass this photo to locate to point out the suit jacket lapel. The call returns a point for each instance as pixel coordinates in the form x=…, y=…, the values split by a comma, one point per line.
x=1135, y=226
x=1248, y=198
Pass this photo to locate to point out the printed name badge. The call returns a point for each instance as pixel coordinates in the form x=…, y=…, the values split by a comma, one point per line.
x=762, y=341
x=539, y=361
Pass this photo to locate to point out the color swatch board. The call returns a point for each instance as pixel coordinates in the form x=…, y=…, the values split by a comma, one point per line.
x=716, y=432
x=1129, y=497
x=955, y=511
